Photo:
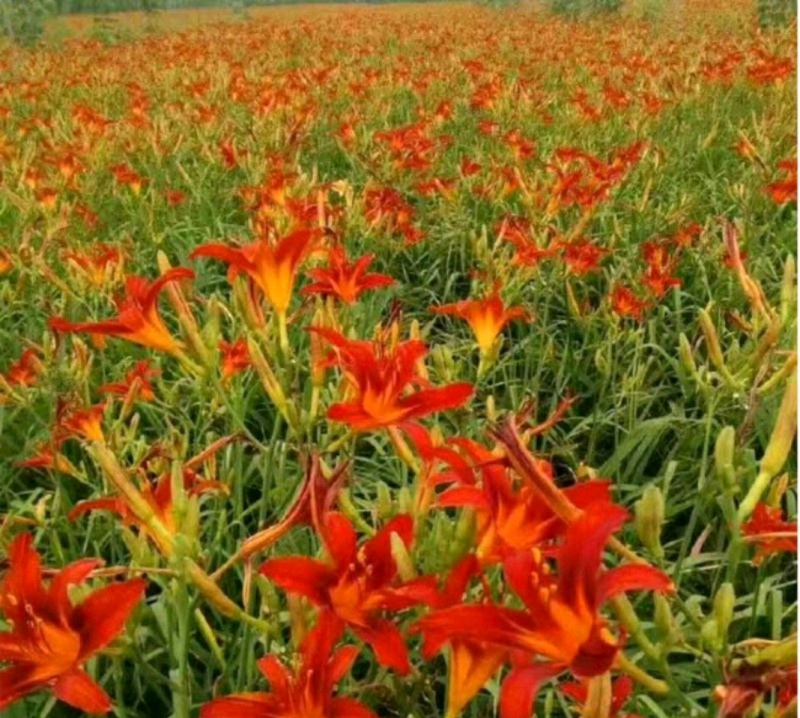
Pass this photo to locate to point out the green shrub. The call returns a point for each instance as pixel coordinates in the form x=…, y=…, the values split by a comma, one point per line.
x=776, y=12
x=23, y=20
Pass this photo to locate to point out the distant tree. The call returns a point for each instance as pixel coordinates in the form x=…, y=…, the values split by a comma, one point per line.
x=22, y=21
x=776, y=12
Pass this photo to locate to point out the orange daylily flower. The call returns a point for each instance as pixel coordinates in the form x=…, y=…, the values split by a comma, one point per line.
x=50, y=639
x=99, y=264
x=141, y=373
x=123, y=174
x=235, y=357
x=785, y=190
x=83, y=423
x=486, y=317
x=271, y=266
x=621, y=690
x=582, y=257
x=379, y=379
x=561, y=621
x=625, y=303
x=6, y=262
x=511, y=517
x=24, y=371
x=50, y=458
x=343, y=279
x=771, y=533
x=138, y=320
x=158, y=495
x=305, y=692
x=358, y=584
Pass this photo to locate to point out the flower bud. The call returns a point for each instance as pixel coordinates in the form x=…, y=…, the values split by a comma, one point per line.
x=383, y=502
x=783, y=435
x=712, y=340
x=723, y=608
x=788, y=290
x=724, y=457
x=572, y=303
x=463, y=536
x=405, y=501
x=402, y=559
x=601, y=363
x=710, y=636
x=686, y=355
x=665, y=622
x=491, y=409
x=649, y=512
x=778, y=449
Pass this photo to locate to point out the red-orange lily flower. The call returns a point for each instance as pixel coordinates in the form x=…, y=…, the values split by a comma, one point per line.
x=49, y=457
x=486, y=317
x=512, y=518
x=158, y=496
x=770, y=532
x=625, y=303
x=83, y=423
x=621, y=690
x=583, y=257
x=306, y=692
x=98, y=264
x=138, y=320
x=24, y=371
x=561, y=621
x=358, y=585
x=50, y=639
x=235, y=358
x=379, y=379
x=272, y=266
x=346, y=281
x=785, y=189
x=141, y=373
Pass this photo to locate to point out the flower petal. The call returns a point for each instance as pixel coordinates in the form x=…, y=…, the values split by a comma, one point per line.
x=81, y=692
x=102, y=616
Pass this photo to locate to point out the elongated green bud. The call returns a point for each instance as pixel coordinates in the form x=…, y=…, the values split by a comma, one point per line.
x=712, y=340
x=724, y=457
x=686, y=355
x=780, y=444
x=383, y=501
x=710, y=635
x=405, y=566
x=788, y=289
x=783, y=435
x=665, y=622
x=405, y=501
x=649, y=511
x=723, y=608
x=463, y=537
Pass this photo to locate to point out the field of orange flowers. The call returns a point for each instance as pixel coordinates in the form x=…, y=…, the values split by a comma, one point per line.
x=424, y=361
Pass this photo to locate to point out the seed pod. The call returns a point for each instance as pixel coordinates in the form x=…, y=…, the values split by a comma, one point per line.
x=649, y=512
